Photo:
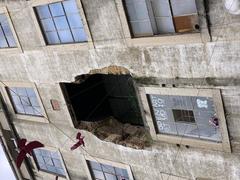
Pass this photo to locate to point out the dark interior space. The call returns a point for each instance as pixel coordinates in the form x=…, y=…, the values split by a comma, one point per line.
x=100, y=96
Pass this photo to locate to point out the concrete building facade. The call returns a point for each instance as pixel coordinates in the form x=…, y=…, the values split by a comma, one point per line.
x=196, y=71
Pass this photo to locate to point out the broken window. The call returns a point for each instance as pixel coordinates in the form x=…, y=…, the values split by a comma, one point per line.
x=25, y=101
x=6, y=36
x=49, y=161
x=100, y=96
x=154, y=17
x=185, y=116
x=61, y=22
x=107, y=172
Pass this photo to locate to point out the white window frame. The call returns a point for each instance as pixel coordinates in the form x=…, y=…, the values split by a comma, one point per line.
x=107, y=162
x=8, y=101
x=61, y=47
x=49, y=174
x=175, y=139
x=194, y=37
x=10, y=50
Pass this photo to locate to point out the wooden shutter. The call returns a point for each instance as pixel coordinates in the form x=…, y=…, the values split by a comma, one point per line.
x=185, y=23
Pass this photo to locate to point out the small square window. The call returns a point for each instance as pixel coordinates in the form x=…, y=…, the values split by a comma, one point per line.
x=61, y=22
x=183, y=116
x=24, y=101
x=49, y=161
x=6, y=36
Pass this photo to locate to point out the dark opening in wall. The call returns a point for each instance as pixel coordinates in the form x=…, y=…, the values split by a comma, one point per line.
x=99, y=96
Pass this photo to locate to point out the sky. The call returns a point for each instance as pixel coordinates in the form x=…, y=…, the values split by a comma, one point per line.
x=5, y=168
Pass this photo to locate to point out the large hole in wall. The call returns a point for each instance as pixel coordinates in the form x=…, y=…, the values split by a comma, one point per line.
x=99, y=96
x=105, y=103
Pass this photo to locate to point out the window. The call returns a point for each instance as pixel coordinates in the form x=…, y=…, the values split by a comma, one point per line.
x=185, y=115
x=25, y=101
x=6, y=36
x=155, y=17
x=101, y=171
x=49, y=161
x=61, y=22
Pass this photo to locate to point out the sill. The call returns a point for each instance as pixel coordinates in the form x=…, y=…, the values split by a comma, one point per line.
x=197, y=143
x=38, y=119
x=49, y=174
x=165, y=40
x=70, y=46
x=15, y=50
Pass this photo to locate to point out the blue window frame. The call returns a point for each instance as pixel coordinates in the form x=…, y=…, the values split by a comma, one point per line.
x=101, y=171
x=25, y=101
x=49, y=161
x=6, y=36
x=61, y=22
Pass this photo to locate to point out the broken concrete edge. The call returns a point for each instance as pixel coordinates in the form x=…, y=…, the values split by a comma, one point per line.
x=111, y=130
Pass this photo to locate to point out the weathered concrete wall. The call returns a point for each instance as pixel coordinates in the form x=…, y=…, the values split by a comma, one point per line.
x=185, y=65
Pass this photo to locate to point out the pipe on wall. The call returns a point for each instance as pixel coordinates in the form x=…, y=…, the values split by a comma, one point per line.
x=233, y=6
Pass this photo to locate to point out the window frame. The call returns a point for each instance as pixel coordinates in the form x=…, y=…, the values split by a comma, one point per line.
x=107, y=162
x=16, y=116
x=164, y=39
x=62, y=46
x=17, y=49
x=50, y=174
x=175, y=139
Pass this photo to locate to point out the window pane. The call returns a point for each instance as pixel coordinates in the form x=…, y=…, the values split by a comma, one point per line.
x=52, y=38
x=107, y=168
x=75, y=21
x=11, y=41
x=137, y=10
x=51, y=168
x=43, y=12
x=48, y=24
x=25, y=101
x=110, y=177
x=70, y=6
x=3, y=42
x=34, y=101
x=29, y=110
x=181, y=7
x=16, y=100
x=60, y=171
x=95, y=165
x=21, y=91
x=37, y=111
x=7, y=30
x=98, y=174
x=30, y=92
x=19, y=109
x=56, y=9
x=61, y=23
x=57, y=163
x=165, y=25
x=79, y=35
x=121, y=172
x=183, y=116
x=65, y=36
x=161, y=8
x=142, y=28
x=166, y=127
x=3, y=18
x=48, y=161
